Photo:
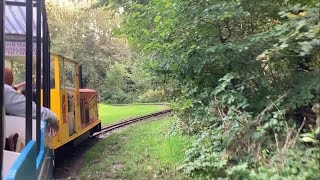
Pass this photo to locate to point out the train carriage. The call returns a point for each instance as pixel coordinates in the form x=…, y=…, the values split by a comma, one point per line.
x=48, y=79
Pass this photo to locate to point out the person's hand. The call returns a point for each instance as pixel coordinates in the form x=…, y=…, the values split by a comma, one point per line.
x=53, y=126
x=52, y=132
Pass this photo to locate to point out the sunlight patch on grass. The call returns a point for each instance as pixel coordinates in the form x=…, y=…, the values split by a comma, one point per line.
x=143, y=151
x=110, y=114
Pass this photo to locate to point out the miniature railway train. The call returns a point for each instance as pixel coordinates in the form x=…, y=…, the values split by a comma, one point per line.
x=48, y=79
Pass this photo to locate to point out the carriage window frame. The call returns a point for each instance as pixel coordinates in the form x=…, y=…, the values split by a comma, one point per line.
x=17, y=65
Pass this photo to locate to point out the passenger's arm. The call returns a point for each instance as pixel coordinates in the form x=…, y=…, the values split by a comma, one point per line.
x=49, y=116
x=15, y=104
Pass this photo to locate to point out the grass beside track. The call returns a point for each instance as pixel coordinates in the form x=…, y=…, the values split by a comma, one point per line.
x=110, y=114
x=143, y=151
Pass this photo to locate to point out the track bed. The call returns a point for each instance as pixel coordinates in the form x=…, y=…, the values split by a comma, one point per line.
x=69, y=158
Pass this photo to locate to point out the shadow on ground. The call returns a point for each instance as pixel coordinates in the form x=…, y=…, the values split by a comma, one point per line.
x=68, y=159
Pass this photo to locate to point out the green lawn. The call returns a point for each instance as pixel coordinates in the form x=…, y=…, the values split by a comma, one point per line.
x=110, y=114
x=143, y=151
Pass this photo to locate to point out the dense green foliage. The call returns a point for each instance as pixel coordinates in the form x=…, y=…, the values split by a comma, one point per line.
x=119, y=87
x=153, y=96
x=246, y=76
x=144, y=151
x=126, y=84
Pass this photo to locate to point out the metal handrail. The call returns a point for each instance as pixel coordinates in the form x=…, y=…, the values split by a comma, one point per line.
x=38, y=75
x=2, y=64
x=29, y=63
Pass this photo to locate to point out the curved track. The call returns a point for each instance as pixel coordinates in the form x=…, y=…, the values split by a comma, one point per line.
x=109, y=128
x=68, y=159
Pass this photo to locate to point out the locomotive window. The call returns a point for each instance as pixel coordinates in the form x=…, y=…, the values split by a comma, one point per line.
x=61, y=67
x=52, y=78
x=69, y=74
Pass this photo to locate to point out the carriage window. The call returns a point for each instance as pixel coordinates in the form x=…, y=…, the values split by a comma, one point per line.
x=17, y=65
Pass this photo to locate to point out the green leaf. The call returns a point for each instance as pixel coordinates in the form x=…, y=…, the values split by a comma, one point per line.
x=309, y=139
x=306, y=135
x=156, y=19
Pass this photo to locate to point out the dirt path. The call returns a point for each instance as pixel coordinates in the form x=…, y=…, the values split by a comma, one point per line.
x=69, y=160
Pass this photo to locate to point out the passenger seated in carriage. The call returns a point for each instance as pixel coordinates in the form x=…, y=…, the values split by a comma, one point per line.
x=14, y=103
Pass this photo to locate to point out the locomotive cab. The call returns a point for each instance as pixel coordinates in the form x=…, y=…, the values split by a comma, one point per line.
x=76, y=109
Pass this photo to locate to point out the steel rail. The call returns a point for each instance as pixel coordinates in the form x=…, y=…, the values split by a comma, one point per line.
x=109, y=128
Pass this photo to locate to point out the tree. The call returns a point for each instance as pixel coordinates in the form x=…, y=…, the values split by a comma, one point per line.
x=85, y=34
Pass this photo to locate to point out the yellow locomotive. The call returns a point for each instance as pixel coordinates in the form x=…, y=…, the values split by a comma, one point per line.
x=76, y=109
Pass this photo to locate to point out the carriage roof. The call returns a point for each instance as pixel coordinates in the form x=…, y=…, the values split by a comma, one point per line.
x=15, y=20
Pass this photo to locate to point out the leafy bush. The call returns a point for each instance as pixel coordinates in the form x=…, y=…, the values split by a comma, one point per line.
x=299, y=164
x=119, y=97
x=152, y=96
x=127, y=83
x=119, y=86
x=236, y=144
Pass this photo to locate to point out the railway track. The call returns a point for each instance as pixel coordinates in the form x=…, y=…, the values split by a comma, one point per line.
x=110, y=128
